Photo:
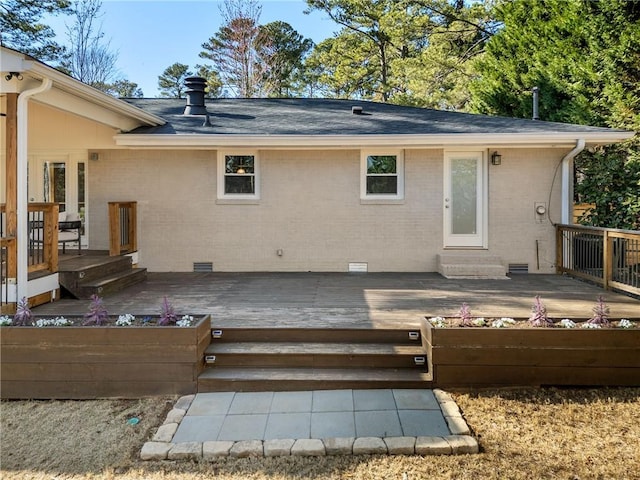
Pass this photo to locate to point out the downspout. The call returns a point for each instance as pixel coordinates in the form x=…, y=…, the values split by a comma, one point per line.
x=567, y=181
x=22, y=232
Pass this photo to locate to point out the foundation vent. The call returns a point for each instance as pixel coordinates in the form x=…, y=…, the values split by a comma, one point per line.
x=358, y=267
x=517, y=268
x=202, y=267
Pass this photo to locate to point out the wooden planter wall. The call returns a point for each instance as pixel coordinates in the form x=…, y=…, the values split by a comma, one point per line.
x=484, y=357
x=100, y=362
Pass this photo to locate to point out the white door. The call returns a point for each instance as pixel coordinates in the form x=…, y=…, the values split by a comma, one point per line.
x=465, y=203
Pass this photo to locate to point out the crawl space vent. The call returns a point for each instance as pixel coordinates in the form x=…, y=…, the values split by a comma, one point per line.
x=358, y=267
x=202, y=267
x=518, y=268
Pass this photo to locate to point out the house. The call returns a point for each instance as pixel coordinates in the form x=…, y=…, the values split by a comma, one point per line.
x=285, y=184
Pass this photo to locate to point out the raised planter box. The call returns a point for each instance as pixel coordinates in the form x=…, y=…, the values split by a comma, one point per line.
x=484, y=357
x=100, y=362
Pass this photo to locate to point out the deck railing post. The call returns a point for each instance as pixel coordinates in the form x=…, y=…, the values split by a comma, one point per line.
x=122, y=221
x=607, y=259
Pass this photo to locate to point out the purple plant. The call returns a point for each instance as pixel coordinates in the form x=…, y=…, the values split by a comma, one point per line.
x=539, y=316
x=465, y=316
x=97, y=314
x=23, y=314
x=168, y=315
x=600, y=313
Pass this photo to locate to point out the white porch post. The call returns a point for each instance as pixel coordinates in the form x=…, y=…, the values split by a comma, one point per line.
x=22, y=204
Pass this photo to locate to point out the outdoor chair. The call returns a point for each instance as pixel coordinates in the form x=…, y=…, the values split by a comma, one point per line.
x=69, y=230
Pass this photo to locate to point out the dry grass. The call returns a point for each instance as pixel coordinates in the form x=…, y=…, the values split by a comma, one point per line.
x=524, y=434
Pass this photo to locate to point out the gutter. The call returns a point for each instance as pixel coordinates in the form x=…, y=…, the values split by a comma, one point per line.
x=70, y=85
x=22, y=232
x=496, y=140
x=567, y=181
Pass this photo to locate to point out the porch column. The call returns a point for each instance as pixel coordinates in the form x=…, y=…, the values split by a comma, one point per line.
x=22, y=201
x=11, y=181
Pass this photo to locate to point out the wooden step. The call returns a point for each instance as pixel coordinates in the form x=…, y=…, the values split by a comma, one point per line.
x=283, y=354
x=112, y=283
x=88, y=268
x=318, y=335
x=238, y=379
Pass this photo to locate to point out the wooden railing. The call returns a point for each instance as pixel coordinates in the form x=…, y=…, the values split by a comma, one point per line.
x=606, y=256
x=123, y=232
x=42, y=239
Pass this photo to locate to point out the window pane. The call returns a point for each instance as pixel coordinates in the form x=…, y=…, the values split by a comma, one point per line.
x=382, y=185
x=464, y=181
x=239, y=184
x=239, y=164
x=381, y=164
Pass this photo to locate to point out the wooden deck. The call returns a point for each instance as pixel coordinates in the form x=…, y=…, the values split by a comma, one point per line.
x=342, y=300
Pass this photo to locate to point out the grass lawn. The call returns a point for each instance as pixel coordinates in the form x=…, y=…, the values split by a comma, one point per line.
x=525, y=433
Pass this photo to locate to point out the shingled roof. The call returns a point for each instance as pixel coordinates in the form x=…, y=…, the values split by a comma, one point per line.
x=297, y=116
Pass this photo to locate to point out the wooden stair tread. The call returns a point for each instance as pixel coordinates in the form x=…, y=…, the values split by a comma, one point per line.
x=315, y=374
x=99, y=282
x=323, y=348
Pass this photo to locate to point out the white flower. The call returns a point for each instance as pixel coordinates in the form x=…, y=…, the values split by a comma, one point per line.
x=503, y=322
x=125, y=320
x=5, y=321
x=185, y=321
x=624, y=323
x=567, y=323
x=52, y=322
x=479, y=322
x=438, y=322
x=590, y=325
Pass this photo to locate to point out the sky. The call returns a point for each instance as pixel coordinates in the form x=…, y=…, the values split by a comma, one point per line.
x=150, y=35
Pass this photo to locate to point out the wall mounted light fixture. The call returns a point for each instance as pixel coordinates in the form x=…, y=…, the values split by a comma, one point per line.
x=496, y=158
x=10, y=75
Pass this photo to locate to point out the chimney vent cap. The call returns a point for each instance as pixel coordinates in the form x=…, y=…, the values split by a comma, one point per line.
x=356, y=110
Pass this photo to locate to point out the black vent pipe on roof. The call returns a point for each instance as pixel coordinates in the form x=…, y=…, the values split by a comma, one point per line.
x=195, y=96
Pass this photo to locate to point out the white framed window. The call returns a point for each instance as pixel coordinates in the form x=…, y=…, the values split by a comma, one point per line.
x=238, y=175
x=382, y=175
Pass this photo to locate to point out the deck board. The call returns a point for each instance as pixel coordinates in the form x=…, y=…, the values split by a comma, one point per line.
x=342, y=300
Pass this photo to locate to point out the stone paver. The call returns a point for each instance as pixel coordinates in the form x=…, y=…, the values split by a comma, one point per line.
x=247, y=448
x=416, y=422
x=215, y=403
x=216, y=449
x=308, y=447
x=251, y=403
x=291, y=402
x=201, y=428
x=373, y=400
x=400, y=445
x=332, y=400
x=175, y=415
x=432, y=446
x=332, y=424
x=184, y=402
x=339, y=445
x=288, y=425
x=314, y=423
x=155, y=450
x=278, y=448
x=186, y=451
x=165, y=432
x=461, y=444
x=457, y=425
x=378, y=423
x=369, y=446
